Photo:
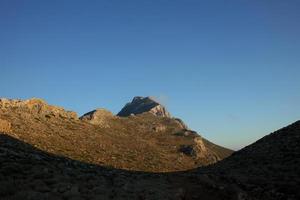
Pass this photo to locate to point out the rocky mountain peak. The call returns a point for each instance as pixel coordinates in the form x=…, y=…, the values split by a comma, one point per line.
x=140, y=105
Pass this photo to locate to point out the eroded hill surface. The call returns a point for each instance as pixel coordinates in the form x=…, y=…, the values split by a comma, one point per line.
x=144, y=142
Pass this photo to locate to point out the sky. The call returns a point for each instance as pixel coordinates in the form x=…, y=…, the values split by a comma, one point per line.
x=229, y=69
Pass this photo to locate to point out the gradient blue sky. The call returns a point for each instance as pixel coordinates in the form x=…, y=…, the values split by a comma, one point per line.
x=229, y=69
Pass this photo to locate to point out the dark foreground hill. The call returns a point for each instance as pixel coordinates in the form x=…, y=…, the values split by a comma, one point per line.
x=268, y=168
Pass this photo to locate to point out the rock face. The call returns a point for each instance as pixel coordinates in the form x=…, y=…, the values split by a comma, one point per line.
x=36, y=107
x=144, y=104
x=99, y=117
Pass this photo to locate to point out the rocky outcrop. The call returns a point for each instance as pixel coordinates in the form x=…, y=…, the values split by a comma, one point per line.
x=198, y=150
x=181, y=123
x=144, y=104
x=36, y=107
x=99, y=117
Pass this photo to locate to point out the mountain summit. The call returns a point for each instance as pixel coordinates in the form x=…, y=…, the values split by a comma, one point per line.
x=140, y=105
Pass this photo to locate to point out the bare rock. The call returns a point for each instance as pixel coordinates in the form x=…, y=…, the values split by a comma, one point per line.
x=144, y=104
x=35, y=106
x=200, y=147
x=181, y=124
x=199, y=151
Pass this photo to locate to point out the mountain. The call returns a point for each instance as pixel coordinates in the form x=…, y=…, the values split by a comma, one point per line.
x=265, y=170
x=142, y=142
x=144, y=104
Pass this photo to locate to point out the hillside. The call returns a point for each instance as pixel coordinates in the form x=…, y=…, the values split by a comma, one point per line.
x=143, y=142
x=49, y=153
x=266, y=169
x=28, y=173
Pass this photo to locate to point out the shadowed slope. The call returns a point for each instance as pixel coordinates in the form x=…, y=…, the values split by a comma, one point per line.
x=268, y=168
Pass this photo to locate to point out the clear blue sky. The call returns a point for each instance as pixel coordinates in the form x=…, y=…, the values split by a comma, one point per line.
x=229, y=69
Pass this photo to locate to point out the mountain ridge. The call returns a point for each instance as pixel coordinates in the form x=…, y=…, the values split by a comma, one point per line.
x=144, y=141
